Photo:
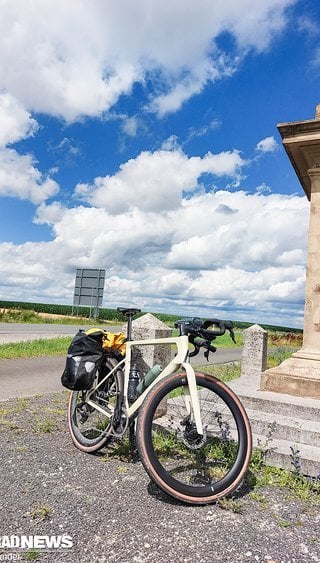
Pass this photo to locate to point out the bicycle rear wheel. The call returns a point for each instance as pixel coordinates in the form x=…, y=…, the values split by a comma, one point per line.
x=193, y=468
x=91, y=429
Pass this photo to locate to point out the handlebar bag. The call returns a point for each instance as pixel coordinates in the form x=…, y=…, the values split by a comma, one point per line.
x=83, y=359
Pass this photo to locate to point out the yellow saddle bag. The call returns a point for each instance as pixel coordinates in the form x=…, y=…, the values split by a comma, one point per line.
x=110, y=340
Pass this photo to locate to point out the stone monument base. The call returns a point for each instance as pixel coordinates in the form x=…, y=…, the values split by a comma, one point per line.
x=299, y=376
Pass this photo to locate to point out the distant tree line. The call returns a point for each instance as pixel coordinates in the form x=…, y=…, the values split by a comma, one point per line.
x=114, y=315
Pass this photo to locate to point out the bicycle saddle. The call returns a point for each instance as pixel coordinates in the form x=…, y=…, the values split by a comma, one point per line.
x=128, y=311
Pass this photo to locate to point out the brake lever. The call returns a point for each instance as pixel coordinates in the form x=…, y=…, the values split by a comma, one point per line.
x=232, y=335
x=209, y=349
x=196, y=346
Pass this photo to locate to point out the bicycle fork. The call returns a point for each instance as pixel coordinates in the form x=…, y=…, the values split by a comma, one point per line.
x=191, y=397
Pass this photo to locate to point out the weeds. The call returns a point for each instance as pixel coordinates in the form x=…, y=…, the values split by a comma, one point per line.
x=285, y=339
x=22, y=449
x=295, y=460
x=8, y=424
x=225, y=372
x=260, y=454
x=45, y=426
x=122, y=469
x=231, y=504
x=119, y=450
x=32, y=555
x=279, y=354
x=40, y=512
x=259, y=497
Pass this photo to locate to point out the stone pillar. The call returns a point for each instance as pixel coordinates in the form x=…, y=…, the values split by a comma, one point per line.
x=254, y=352
x=311, y=334
x=300, y=374
x=149, y=327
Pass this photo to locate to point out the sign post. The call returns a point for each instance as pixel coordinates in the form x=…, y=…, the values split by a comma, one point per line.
x=88, y=290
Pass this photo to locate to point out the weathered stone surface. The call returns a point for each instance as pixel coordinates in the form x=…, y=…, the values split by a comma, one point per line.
x=149, y=327
x=300, y=375
x=254, y=351
x=146, y=356
x=296, y=376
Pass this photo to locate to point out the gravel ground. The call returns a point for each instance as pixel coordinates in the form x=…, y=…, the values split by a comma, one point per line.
x=114, y=514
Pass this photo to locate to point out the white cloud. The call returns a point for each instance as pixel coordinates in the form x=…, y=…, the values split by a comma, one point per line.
x=263, y=189
x=193, y=84
x=49, y=214
x=155, y=181
x=15, y=122
x=83, y=57
x=20, y=178
x=171, y=143
x=229, y=253
x=259, y=230
x=130, y=126
x=201, y=131
x=309, y=26
x=269, y=144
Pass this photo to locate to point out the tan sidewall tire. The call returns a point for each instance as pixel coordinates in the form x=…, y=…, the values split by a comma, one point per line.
x=149, y=467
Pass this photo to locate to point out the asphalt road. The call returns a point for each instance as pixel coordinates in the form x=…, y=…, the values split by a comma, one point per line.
x=38, y=376
x=21, y=332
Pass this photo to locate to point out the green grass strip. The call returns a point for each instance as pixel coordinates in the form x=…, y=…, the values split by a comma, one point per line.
x=34, y=348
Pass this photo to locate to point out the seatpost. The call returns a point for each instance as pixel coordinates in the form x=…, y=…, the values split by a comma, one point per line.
x=129, y=326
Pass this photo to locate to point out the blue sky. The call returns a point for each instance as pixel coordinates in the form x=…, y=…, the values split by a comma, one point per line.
x=141, y=138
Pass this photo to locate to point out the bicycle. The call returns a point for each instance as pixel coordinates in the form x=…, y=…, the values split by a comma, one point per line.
x=197, y=446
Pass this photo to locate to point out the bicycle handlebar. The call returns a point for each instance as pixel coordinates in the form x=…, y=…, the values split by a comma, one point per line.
x=197, y=328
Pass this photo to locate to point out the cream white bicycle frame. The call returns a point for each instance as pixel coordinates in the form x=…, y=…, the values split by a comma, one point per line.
x=179, y=361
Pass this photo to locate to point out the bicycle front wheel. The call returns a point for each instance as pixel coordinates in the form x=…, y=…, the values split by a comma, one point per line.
x=194, y=468
x=90, y=428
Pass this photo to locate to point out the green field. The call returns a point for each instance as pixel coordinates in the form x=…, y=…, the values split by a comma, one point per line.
x=279, y=337
x=111, y=315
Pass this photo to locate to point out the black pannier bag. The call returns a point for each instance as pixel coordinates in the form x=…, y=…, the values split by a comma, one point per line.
x=83, y=359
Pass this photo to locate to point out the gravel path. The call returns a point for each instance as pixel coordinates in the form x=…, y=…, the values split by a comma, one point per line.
x=114, y=514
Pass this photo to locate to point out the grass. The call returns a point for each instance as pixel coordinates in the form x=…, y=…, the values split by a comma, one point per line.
x=298, y=485
x=44, y=426
x=277, y=354
x=260, y=476
x=32, y=317
x=40, y=512
x=35, y=348
x=225, y=372
x=58, y=346
x=32, y=555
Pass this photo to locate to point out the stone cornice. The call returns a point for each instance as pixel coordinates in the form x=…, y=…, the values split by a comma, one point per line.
x=301, y=140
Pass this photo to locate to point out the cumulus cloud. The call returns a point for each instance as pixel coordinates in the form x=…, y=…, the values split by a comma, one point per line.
x=229, y=238
x=202, y=254
x=153, y=225
x=269, y=144
x=156, y=181
x=16, y=122
x=20, y=178
x=83, y=57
